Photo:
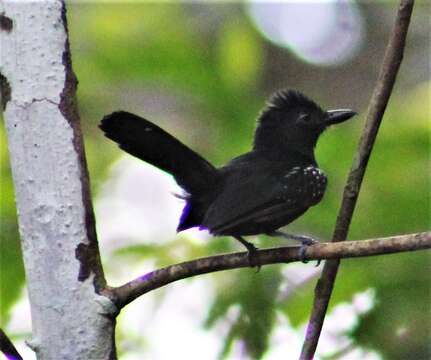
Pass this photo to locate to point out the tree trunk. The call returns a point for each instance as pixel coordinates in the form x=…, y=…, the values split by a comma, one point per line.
x=70, y=318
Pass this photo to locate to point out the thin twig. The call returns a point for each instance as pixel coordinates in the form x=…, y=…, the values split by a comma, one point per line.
x=379, y=100
x=128, y=292
x=7, y=347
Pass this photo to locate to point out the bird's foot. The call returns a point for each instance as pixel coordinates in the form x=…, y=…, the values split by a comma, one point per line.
x=303, y=249
x=305, y=241
x=253, y=258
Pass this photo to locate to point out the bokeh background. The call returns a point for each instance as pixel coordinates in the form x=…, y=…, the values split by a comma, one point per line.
x=202, y=71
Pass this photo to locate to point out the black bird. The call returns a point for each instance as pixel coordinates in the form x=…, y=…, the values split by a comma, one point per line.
x=255, y=193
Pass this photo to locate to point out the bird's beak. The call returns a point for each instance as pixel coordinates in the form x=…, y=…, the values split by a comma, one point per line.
x=338, y=116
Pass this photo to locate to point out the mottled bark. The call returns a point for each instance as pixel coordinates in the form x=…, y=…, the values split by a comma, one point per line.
x=70, y=318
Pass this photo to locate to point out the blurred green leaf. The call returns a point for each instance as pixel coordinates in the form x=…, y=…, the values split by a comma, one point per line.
x=399, y=327
x=256, y=297
x=240, y=55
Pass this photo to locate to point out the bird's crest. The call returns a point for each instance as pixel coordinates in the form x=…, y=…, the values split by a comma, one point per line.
x=286, y=99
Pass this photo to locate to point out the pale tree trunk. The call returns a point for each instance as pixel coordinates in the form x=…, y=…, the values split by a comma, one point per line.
x=70, y=318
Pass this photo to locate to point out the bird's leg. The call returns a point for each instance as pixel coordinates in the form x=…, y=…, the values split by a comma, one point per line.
x=253, y=261
x=304, y=240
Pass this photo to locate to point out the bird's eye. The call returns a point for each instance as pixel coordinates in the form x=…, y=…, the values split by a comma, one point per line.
x=303, y=118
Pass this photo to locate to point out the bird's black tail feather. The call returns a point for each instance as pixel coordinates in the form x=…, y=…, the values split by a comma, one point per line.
x=148, y=142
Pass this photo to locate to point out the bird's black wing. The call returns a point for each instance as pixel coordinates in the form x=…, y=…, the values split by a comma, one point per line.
x=264, y=199
x=148, y=142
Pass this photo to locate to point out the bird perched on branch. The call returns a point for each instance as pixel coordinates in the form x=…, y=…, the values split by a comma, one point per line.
x=255, y=193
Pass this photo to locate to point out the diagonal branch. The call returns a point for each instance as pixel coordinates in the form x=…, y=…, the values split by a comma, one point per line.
x=379, y=100
x=7, y=347
x=128, y=292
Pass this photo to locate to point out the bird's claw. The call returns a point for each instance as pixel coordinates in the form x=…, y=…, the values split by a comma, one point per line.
x=253, y=257
x=306, y=242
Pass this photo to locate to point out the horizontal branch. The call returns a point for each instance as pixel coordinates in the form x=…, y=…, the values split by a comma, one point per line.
x=128, y=292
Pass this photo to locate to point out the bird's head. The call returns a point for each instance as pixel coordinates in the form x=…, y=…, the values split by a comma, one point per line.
x=293, y=121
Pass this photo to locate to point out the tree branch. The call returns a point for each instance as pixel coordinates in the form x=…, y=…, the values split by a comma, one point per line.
x=7, y=347
x=379, y=100
x=128, y=292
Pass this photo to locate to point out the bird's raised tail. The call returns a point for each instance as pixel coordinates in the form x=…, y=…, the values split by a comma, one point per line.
x=148, y=142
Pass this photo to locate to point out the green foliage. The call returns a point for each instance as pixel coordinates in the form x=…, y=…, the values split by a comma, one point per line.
x=239, y=53
x=163, y=254
x=401, y=320
x=256, y=298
